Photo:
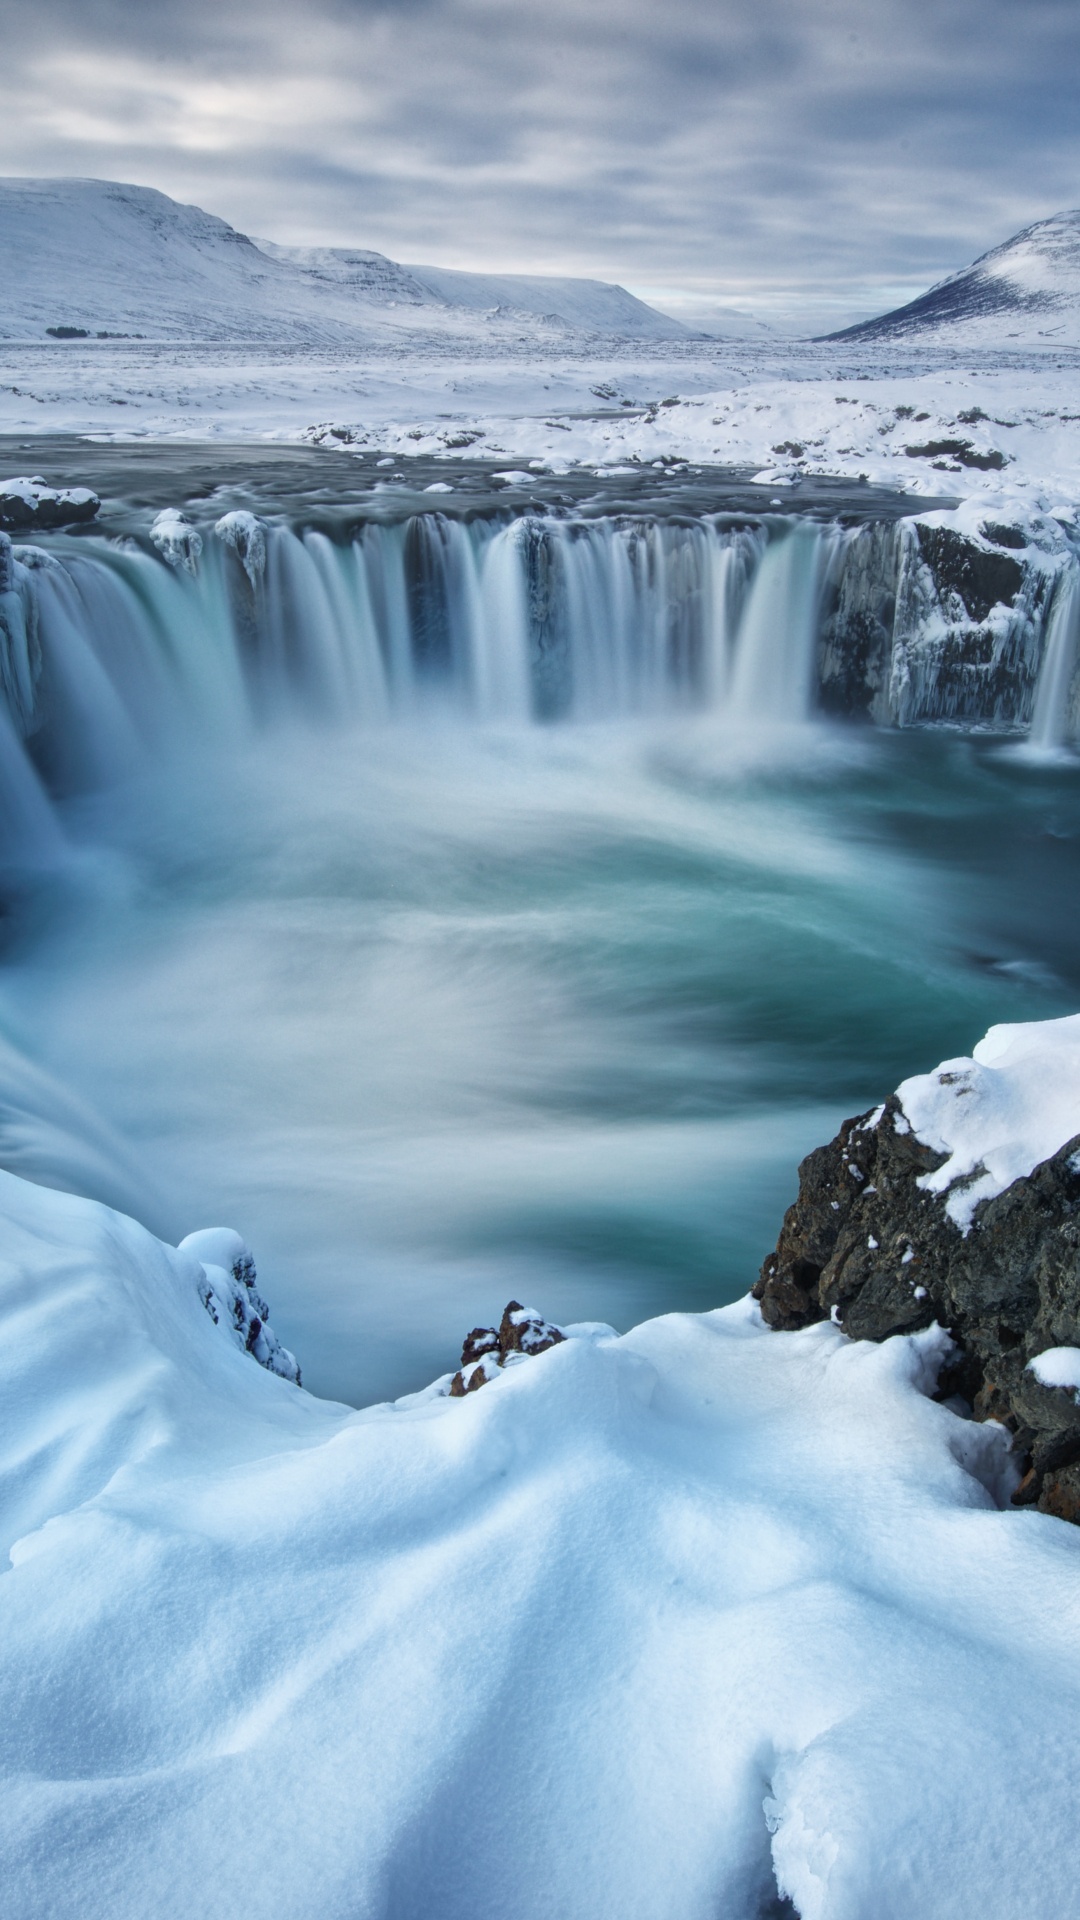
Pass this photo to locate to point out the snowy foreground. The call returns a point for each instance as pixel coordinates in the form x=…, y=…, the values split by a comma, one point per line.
x=640, y=1622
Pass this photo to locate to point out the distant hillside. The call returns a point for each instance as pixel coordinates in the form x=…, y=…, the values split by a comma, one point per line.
x=584, y=306
x=1025, y=292
x=100, y=258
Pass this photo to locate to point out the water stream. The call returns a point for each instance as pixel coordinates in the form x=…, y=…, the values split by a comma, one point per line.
x=474, y=906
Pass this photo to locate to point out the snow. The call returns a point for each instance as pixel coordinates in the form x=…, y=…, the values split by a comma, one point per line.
x=176, y=539
x=246, y=535
x=643, y=1620
x=208, y=334
x=999, y=1114
x=1057, y=1367
x=114, y=261
x=654, y=1622
x=1024, y=292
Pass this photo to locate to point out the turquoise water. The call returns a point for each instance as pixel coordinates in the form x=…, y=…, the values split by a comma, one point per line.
x=439, y=1013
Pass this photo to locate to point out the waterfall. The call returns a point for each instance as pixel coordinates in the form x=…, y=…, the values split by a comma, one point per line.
x=1050, y=718
x=773, y=672
x=113, y=657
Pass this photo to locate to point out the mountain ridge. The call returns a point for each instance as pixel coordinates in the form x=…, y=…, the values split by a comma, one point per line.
x=1027, y=289
x=84, y=257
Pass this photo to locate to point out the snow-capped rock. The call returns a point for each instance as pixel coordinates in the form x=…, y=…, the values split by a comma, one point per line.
x=521, y=1333
x=20, y=644
x=29, y=503
x=176, y=539
x=229, y=1294
x=958, y=1201
x=246, y=535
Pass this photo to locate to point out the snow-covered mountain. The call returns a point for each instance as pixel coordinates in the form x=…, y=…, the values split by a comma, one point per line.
x=1025, y=292
x=586, y=306
x=104, y=258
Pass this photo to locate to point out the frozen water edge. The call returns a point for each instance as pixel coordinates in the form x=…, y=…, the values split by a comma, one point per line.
x=995, y=426
x=642, y=1618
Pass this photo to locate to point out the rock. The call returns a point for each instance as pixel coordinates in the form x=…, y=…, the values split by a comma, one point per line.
x=521, y=1331
x=20, y=644
x=246, y=535
x=228, y=1292
x=928, y=622
x=960, y=452
x=982, y=580
x=480, y=1341
x=29, y=504
x=177, y=541
x=865, y=1244
x=1061, y=1494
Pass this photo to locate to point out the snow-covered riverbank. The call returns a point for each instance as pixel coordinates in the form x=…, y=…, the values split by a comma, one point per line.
x=995, y=427
x=645, y=1620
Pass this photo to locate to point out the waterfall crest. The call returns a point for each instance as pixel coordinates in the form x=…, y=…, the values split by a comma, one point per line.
x=114, y=654
x=111, y=654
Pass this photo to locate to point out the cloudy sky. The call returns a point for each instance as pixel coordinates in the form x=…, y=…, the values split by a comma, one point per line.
x=817, y=158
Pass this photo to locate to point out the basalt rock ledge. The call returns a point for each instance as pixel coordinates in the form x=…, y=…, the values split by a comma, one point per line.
x=869, y=1246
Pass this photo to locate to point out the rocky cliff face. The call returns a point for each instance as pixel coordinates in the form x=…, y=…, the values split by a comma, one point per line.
x=929, y=621
x=866, y=1244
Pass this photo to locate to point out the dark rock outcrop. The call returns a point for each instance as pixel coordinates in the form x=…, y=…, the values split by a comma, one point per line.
x=521, y=1331
x=866, y=1245
x=929, y=623
x=29, y=504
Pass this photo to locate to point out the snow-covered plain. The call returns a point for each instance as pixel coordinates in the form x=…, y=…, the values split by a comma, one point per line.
x=1004, y=435
x=643, y=1623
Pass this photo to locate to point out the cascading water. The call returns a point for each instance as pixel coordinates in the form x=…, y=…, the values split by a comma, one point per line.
x=1050, y=719
x=500, y=622
x=773, y=672
x=451, y=904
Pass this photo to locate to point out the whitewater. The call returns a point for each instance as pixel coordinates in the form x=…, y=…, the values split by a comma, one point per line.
x=464, y=898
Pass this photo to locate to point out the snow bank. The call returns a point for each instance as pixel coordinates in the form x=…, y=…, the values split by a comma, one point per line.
x=999, y=1114
x=610, y=1637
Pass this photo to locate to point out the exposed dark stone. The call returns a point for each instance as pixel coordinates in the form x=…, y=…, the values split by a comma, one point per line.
x=961, y=451
x=480, y=1341
x=1061, y=1494
x=982, y=580
x=27, y=505
x=867, y=1245
x=521, y=1330
x=1003, y=536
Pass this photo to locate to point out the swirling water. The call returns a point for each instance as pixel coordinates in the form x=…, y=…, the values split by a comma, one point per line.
x=437, y=1001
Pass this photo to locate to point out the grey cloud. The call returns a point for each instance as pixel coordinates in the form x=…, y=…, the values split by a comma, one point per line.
x=813, y=149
